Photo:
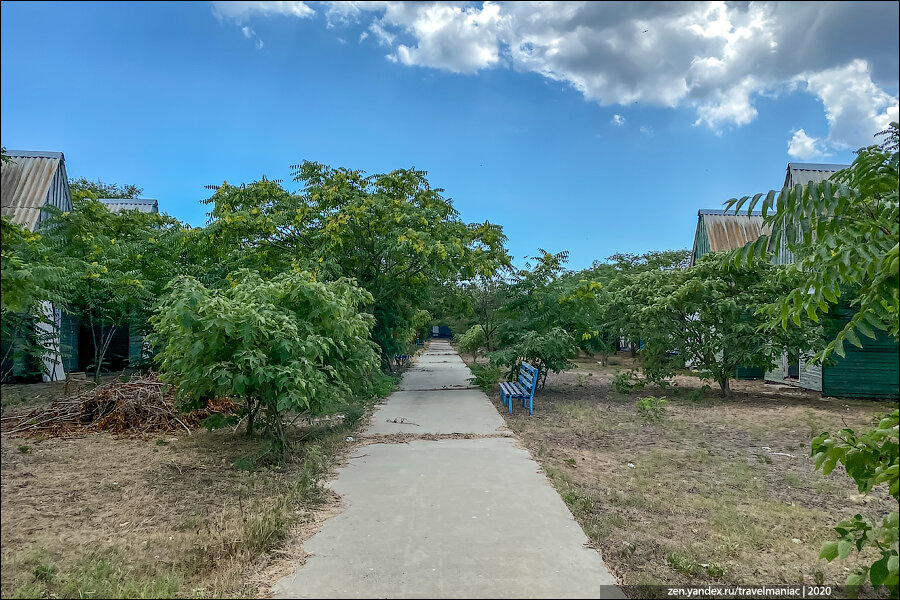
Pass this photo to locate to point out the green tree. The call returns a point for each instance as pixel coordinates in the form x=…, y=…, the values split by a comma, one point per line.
x=473, y=340
x=31, y=274
x=117, y=266
x=707, y=317
x=290, y=344
x=486, y=295
x=392, y=233
x=82, y=189
x=843, y=234
x=533, y=315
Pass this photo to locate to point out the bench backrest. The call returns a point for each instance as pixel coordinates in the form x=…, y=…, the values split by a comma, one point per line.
x=528, y=377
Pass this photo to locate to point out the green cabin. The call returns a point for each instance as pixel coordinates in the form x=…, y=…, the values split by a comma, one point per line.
x=872, y=371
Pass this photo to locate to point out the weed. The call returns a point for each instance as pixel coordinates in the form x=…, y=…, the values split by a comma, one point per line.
x=243, y=464
x=764, y=459
x=381, y=385
x=714, y=570
x=24, y=449
x=651, y=408
x=161, y=442
x=579, y=503
x=44, y=572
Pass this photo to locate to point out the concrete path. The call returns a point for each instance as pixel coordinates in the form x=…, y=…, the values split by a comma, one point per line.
x=449, y=518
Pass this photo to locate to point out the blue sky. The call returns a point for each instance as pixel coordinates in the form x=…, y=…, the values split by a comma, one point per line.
x=594, y=128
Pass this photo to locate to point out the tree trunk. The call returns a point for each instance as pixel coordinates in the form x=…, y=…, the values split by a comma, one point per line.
x=725, y=385
x=252, y=407
x=100, y=352
x=604, y=359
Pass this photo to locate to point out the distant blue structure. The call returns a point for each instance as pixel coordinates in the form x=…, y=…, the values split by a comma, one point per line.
x=440, y=331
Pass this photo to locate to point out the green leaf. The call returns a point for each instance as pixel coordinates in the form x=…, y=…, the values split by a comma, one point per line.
x=854, y=339
x=878, y=572
x=829, y=551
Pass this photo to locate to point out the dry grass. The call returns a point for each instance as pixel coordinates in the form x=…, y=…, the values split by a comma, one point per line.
x=172, y=515
x=716, y=491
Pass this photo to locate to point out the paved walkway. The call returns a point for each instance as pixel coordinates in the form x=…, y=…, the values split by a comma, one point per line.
x=448, y=518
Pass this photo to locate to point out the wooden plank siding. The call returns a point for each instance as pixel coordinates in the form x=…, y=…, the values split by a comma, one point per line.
x=872, y=371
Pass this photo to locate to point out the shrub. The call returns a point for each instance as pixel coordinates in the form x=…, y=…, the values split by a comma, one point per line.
x=486, y=376
x=871, y=459
x=290, y=344
x=622, y=382
x=652, y=408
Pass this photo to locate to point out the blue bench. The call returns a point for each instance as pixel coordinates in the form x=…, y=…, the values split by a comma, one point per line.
x=523, y=389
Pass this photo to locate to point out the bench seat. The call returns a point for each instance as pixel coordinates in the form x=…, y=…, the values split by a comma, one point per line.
x=522, y=389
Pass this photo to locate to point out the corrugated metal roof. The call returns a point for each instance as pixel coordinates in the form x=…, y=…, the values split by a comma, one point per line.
x=804, y=173
x=144, y=205
x=26, y=185
x=719, y=211
x=727, y=232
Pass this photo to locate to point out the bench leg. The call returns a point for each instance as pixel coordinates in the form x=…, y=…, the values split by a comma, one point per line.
x=510, y=404
x=531, y=405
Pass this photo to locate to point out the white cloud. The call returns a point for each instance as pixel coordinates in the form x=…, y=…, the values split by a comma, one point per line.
x=248, y=33
x=854, y=106
x=732, y=106
x=618, y=120
x=646, y=130
x=242, y=10
x=715, y=58
x=462, y=39
x=381, y=34
x=804, y=146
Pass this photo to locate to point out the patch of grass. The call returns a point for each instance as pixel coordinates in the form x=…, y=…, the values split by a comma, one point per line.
x=106, y=574
x=792, y=480
x=683, y=564
x=24, y=449
x=697, y=494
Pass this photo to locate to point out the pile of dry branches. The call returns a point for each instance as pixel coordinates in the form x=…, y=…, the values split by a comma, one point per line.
x=143, y=404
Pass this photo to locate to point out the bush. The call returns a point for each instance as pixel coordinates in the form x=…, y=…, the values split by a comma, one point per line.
x=486, y=376
x=472, y=340
x=290, y=344
x=652, y=408
x=622, y=382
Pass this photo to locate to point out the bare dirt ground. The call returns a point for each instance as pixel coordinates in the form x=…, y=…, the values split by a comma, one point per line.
x=202, y=515
x=717, y=491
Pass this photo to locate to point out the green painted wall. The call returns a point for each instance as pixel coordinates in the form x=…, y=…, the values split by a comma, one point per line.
x=701, y=246
x=749, y=373
x=872, y=371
